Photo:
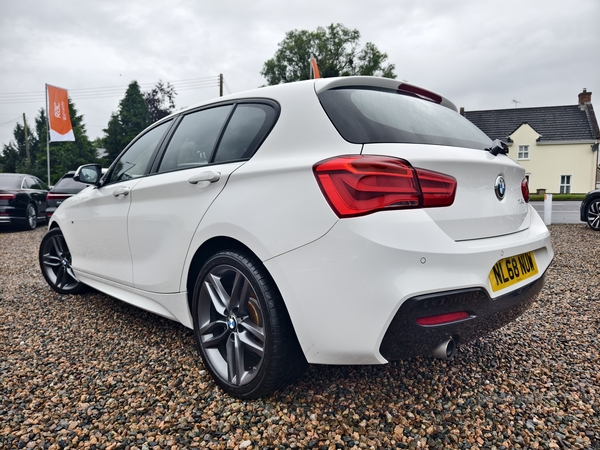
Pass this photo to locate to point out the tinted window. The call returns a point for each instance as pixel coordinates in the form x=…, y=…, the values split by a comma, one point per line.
x=194, y=140
x=374, y=116
x=36, y=183
x=10, y=182
x=244, y=132
x=134, y=162
x=69, y=183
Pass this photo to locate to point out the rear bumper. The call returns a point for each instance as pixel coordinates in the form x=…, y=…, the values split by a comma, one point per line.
x=406, y=338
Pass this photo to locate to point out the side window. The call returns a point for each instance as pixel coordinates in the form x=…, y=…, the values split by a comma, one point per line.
x=194, y=140
x=38, y=184
x=27, y=183
x=245, y=131
x=134, y=162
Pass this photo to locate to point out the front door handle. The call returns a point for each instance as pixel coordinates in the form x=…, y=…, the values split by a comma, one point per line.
x=209, y=176
x=121, y=192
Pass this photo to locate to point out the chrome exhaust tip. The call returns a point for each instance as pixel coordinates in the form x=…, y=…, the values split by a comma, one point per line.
x=445, y=349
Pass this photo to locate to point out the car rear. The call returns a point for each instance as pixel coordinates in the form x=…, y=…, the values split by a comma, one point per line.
x=12, y=211
x=435, y=243
x=65, y=187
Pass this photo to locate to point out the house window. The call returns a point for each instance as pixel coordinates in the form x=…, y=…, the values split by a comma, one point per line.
x=523, y=152
x=565, y=184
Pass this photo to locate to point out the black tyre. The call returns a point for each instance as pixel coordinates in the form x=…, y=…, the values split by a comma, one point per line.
x=593, y=215
x=242, y=327
x=55, y=262
x=31, y=217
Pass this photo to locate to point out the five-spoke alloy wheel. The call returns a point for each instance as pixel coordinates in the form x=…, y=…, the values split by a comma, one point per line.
x=593, y=215
x=55, y=262
x=242, y=327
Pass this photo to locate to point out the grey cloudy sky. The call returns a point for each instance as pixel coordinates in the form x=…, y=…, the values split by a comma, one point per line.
x=479, y=54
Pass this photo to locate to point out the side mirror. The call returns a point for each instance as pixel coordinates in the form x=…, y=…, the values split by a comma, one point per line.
x=89, y=174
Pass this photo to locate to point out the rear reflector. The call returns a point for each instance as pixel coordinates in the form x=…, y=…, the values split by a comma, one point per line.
x=442, y=319
x=356, y=185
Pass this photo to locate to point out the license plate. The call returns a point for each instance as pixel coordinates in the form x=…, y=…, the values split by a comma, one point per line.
x=509, y=271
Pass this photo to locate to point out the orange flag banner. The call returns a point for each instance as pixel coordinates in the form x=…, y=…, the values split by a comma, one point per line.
x=314, y=69
x=58, y=114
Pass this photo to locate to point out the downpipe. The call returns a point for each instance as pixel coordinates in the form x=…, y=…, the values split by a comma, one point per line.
x=445, y=349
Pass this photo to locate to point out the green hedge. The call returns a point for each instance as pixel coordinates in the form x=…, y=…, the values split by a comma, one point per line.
x=561, y=197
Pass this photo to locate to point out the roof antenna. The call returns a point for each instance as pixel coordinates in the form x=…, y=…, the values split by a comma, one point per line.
x=516, y=102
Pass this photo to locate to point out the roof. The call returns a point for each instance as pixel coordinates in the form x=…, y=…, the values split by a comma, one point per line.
x=553, y=123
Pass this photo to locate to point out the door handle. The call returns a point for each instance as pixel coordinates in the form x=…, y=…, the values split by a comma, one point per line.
x=209, y=176
x=121, y=192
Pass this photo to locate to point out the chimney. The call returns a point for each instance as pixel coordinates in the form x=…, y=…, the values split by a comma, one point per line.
x=584, y=97
x=462, y=111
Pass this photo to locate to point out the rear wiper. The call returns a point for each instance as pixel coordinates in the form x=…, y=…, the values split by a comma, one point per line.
x=498, y=147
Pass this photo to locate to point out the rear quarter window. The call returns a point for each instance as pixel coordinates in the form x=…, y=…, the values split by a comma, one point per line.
x=364, y=116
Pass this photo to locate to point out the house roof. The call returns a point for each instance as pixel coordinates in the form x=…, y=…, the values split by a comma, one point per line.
x=553, y=123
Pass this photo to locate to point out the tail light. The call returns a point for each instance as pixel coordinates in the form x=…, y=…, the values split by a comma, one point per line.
x=50, y=196
x=525, y=189
x=355, y=185
x=8, y=196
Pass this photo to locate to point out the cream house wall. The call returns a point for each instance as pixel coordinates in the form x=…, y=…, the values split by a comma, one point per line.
x=547, y=162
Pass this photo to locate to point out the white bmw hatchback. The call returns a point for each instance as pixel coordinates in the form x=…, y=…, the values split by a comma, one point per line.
x=352, y=220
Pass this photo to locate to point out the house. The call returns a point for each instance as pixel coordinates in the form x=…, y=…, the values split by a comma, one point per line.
x=557, y=145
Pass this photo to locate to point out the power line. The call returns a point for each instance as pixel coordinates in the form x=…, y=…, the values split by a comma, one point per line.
x=107, y=91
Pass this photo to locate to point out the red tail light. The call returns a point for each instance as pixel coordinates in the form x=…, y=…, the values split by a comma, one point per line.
x=356, y=185
x=50, y=196
x=525, y=189
x=8, y=196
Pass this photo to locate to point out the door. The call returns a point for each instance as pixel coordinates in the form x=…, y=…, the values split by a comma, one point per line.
x=100, y=215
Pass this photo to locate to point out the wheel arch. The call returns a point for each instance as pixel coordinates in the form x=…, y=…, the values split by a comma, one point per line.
x=205, y=251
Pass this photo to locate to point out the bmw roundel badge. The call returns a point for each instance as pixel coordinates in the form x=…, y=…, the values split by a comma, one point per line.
x=500, y=187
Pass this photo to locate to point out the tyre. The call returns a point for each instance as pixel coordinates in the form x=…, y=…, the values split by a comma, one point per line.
x=55, y=262
x=31, y=217
x=242, y=327
x=593, y=214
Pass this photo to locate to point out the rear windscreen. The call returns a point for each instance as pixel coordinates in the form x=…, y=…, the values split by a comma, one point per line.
x=364, y=116
x=69, y=183
x=10, y=182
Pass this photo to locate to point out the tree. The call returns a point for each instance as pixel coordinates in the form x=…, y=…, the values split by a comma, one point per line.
x=160, y=100
x=133, y=117
x=336, y=49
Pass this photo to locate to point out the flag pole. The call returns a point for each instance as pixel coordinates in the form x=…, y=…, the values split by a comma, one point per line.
x=47, y=135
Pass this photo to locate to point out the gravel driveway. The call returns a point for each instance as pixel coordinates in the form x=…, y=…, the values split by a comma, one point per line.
x=92, y=372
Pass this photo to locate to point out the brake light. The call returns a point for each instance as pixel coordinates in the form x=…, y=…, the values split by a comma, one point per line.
x=355, y=185
x=8, y=196
x=50, y=196
x=525, y=189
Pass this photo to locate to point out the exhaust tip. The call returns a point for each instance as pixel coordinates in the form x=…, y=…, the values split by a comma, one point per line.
x=445, y=349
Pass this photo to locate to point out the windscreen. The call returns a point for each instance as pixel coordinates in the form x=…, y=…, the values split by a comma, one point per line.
x=364, y=116
x=69, y=183
x=10, y=182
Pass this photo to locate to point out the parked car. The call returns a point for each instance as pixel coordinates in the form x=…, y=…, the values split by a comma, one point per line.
x=22, y=200
x=62, y=190
x=590, y=209
x=353, y=220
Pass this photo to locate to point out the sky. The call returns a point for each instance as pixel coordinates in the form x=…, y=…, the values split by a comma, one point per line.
x=492, y=54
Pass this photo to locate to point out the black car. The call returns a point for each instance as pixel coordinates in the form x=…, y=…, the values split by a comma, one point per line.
x=62, y=190
x=22, y=200
x=590, y=209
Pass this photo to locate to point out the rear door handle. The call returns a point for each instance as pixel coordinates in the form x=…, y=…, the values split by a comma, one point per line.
x=121, y=192
x=209, y=176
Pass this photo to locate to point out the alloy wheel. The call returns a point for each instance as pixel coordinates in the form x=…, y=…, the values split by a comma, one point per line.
x=593, y=215
x=231, y=325
x=56, y=264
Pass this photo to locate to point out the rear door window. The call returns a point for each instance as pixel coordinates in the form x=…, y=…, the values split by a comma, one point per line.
x=365, y=116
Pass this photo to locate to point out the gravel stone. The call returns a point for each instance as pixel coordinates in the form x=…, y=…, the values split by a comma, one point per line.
x=91, y=372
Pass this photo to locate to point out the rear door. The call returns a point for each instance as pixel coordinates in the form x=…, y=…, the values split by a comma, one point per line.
x=167, y=207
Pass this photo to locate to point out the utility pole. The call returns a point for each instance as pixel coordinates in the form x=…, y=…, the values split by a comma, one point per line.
x=220, y=85
x=26, y=139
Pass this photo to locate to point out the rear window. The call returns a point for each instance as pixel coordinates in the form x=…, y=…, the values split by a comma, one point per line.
x=69, y=183
x=364, y=116
x=10, y=182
